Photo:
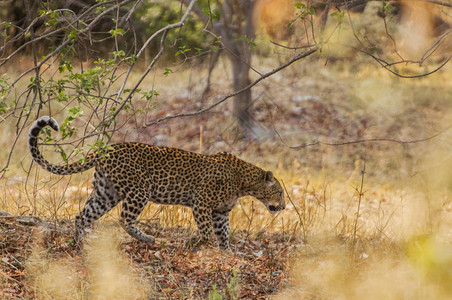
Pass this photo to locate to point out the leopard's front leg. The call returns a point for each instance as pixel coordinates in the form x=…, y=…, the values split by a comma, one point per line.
x=203, y=218
x=220, y=220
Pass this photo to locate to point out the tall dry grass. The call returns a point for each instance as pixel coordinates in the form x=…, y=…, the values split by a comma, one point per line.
x=392, y=243
x=102, y=273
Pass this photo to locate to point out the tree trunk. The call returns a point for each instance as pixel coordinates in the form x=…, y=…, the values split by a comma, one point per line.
x=242, y=102
x=237, y=35
x=240, y=55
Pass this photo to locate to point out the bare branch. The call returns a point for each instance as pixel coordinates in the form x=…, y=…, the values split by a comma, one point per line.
x=386, y=65
x=325, y=16
x=435, y=46
x=290, y=47
x=361, y=141
x=165, y=31
x=262, y=77
x=70, y=25
x=350, y=3
x=67, y=41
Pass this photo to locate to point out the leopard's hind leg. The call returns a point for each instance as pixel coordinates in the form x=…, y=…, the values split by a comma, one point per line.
x=132, y=206
x=101, y=201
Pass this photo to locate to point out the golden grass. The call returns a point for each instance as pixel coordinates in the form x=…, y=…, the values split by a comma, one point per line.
x=413, y=270
x=103, y=273
x=401, y=248
x=397, y=247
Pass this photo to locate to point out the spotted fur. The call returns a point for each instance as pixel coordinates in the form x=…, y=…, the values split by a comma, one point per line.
x=137, y=173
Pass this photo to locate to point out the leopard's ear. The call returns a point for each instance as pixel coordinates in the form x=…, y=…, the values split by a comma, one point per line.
x=269, y=179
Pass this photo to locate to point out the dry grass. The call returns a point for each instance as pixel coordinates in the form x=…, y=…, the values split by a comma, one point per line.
x=397, y=247
x=102, y=273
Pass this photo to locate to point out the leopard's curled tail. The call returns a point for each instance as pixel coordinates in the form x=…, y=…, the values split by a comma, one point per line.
x=35, y=129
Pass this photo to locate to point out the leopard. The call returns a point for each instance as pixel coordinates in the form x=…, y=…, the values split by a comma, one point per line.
x=137, y=173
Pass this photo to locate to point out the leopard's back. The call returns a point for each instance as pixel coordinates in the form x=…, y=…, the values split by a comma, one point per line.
x=170, y=175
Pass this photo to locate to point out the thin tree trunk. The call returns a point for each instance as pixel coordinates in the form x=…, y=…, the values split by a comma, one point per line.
x=242, y=102
x=241, y=60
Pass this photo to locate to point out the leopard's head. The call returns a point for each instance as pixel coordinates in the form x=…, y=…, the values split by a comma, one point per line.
x=269, y=191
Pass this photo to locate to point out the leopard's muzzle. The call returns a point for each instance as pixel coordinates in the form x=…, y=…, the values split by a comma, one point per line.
x=273, y=209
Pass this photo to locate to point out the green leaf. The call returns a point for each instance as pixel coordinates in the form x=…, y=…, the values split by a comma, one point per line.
x=3, y=107
x=75, y=110
x=72, y=35
x=182, y=50
x=119, y=54
x=63, y=154
x=338, y=15
x=117, y=32
x=251, y=43
x=167, y=71
x=149, y=95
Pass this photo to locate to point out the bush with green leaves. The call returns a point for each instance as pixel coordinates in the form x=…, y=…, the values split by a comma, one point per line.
x=81, y=61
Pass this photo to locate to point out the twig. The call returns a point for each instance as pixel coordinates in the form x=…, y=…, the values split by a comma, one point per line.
x=37, y=39
x=325, y=17
x=360, y=195
x=67, y=41
x=32, y=221
x=358, y=2
x=264, y=76
x=435, y=46
x=292, y=48
x=213, y=62
x=371, y=140
x=250, y=219
x=394, y=43
x=293, y=204
x=386, y=66
x=163, y=30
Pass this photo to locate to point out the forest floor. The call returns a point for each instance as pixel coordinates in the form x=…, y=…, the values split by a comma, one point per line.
x=253, y=269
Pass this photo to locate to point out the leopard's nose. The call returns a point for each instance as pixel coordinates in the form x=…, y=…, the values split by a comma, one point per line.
x=274, y=208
